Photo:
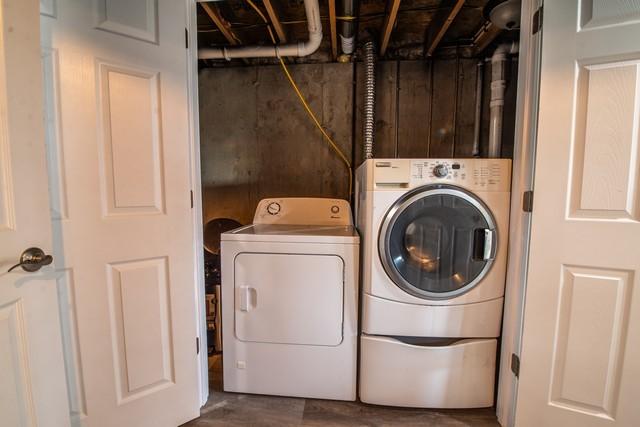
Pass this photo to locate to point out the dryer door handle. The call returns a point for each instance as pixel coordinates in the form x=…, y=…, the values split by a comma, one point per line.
x=247, y=298
x=490, y=244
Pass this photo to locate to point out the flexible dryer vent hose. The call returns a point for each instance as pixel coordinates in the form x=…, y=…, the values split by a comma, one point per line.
x=369, y=98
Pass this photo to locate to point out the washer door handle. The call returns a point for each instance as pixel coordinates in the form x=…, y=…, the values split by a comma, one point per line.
x=489, y=244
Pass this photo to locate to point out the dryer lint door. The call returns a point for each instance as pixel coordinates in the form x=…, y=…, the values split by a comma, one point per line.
x=289, y=298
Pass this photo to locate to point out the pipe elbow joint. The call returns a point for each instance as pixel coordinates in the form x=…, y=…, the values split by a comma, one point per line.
x=505, y=49
x=311, y=45
x=293, y=49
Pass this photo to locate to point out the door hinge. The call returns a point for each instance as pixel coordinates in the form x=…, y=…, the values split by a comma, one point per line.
x=197, y=345
x=191, y=195
x=537, y=21
x=515, y=364
x=527, y=201
x=186, y=38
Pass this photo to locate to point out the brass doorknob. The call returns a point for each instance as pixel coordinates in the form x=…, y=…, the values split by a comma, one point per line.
x=32, y=260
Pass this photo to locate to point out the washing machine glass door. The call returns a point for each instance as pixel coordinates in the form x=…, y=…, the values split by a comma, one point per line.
x=438, y=241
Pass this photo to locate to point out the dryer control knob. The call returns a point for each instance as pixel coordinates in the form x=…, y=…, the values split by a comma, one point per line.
x=440, y=171
x=273, y=208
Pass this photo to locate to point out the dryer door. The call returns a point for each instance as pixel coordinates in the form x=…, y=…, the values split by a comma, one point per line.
x=289, y=298
x=438, y=241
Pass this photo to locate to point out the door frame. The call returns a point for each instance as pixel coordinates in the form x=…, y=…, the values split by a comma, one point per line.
x=520, y=223
x=526, y=128
x=523, y=168
x=191, y=26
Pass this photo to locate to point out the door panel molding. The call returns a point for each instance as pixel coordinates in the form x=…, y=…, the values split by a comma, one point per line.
x=141, y=327
x=596, y=14
x=591, y=326
x=605, y=149
x=66, y=285
x=53, y=134
x=131, y=128
x=14, y=363
x=7, y=210
x=115, y=17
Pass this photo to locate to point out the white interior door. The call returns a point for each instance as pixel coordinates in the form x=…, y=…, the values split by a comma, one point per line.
x=118, y=137
x=580, y=362
x=32, y=383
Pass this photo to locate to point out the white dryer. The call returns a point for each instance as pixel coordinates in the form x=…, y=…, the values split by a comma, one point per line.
x=434, y=263
x=289, y=300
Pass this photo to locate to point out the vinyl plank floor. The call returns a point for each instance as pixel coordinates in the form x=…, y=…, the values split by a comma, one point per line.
x=338, y=414
x=246, y=410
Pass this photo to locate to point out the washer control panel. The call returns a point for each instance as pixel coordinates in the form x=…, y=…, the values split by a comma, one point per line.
x=440, y=170
x=473, y=174
x=489, y=174
x=433, y=169
x=303, y=211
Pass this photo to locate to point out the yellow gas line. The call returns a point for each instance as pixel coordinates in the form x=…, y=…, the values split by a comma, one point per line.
x=328, y=138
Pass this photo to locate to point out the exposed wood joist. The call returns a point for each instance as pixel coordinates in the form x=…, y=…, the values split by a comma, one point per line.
x=484, y=37
x=332, y=26
x=275, y=21
x=389, y=23
x=442, y=20
x=221, y=23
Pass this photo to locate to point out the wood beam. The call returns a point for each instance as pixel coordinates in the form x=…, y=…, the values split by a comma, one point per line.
x=387, y=26
x=275, y=21
x=332, y=26
x=441, y=22
x=221, y=23
x=484, y=37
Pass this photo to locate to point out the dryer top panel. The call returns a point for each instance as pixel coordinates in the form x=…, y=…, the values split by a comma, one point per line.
x=285, y=233
x=303, y=211
x=473, y=174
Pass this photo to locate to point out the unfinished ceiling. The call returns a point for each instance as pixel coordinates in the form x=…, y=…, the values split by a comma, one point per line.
x=402, y=29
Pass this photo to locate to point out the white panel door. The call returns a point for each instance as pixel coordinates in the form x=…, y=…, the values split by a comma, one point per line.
x=580, y=362
x=289, y=298
x=118, y=142
x=32, y=382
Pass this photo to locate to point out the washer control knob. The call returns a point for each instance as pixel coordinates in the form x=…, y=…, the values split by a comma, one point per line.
x=440, y=171
x=273, y=208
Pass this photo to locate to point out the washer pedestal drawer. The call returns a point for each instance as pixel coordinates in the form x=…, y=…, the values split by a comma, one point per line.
x=427, y=374
x=384, y=317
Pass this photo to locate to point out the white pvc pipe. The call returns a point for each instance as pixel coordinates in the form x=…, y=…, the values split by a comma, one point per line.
x=477, y=126
x=498, y=85
x=305, y=48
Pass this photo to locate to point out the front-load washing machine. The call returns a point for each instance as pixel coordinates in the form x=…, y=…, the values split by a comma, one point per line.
x=289, y=300
x=434, y=253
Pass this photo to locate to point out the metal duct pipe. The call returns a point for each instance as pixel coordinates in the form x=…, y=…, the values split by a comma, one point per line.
x=498, y=85
x=369, y=97
x=347, y=27
x=305, y=48
x=477, y=125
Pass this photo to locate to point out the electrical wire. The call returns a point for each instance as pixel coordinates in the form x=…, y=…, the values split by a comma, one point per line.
x=315, y=120
x=306, y=106
x=257, y=9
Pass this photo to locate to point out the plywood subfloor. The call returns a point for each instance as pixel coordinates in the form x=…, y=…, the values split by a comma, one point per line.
x=233, y=409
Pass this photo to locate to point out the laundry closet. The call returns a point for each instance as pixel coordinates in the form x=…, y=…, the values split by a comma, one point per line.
x=415, y=105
